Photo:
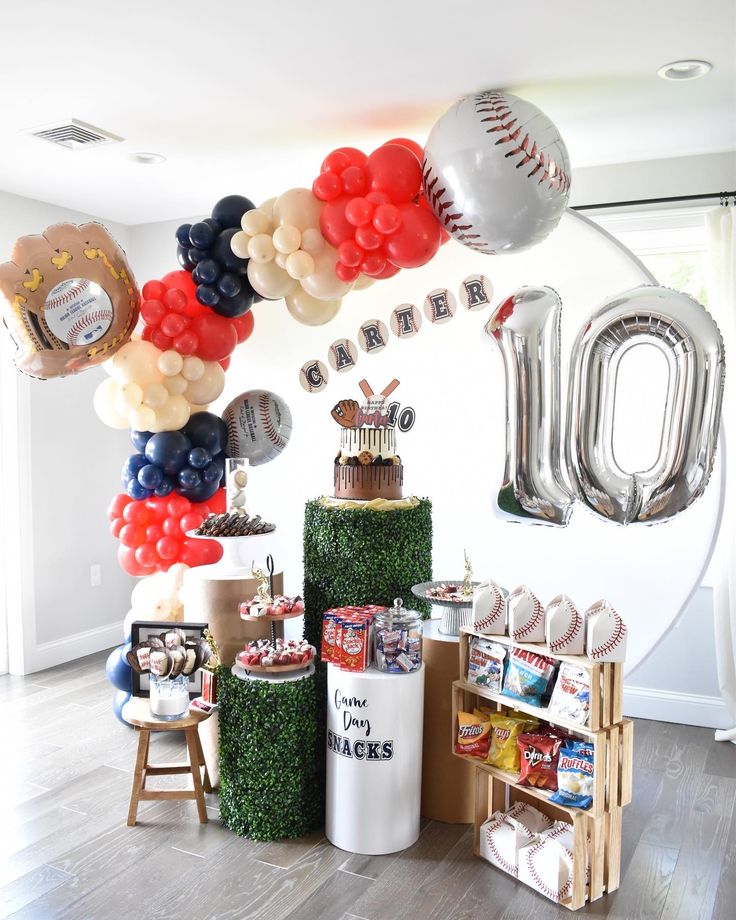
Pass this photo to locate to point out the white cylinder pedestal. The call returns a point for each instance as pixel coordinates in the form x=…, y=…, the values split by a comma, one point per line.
x=374, y=759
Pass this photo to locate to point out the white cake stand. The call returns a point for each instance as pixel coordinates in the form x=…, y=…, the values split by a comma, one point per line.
x=238, y=553
x=454, y=613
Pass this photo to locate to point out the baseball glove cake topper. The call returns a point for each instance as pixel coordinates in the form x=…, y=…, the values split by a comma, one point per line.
x=70, y=299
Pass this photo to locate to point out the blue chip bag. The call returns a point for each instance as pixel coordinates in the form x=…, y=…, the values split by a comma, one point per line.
x=528, y=676
x=575, y=775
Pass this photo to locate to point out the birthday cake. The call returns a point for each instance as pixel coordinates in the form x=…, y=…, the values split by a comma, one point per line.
x=367, y=465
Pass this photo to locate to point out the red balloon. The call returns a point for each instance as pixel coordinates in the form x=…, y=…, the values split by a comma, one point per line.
x=333, y=224
x=415, y=148
x=225, y=363
x=186, y=343
x=191, y=521
x=389, y=271
x=216, y=334
x=116, y=506
x=358, y=212
x=135, y=512
x=373, y=264
x=160, y=339
x=153, y=290
x=353, y=180
x=171, y=527
x=116, y=526
x=327, y=186
x=147, y=332
x=378, y=198
x=350, y=253
x=200, y=552
x=132, y=535
x=367, y=238
x=168, y=548
x=418, y=239
x=180, y=280
x=174, y=324
x=175, y=300
x=178, y=505
x=354, y=156
x=129, y=563
x=396, y=172
x=152, y=311
x=153, y=533
x=335, y=162
x=243, y=326
x=157, y=508
x=146, y=555
x=216, y=504
x=387, y=218
x=347, y=273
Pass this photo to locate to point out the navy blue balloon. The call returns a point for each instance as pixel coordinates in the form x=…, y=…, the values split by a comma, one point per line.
x=168, y=450
x=118, y=671
x=207, y=294
x=196, y=255
x=229, y=285
x=136, y=490
x=182, y=235
x=150, y=476
x=229, y=210
x=202, y=235
x=206, y=272
x=222, y=251
x=166, y=488
x=199, y=458
x=201, y=493
x=182, y=257
x=233, y=306
x=212, y=473
x=140, y=439
x=205, y=429
x=132, y=467
x=189, y=478
x=216, y=226
x=118, y=701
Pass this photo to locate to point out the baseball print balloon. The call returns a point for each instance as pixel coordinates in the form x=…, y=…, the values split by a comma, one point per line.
x=258, y=426
x=496, y=173
x=78, y=311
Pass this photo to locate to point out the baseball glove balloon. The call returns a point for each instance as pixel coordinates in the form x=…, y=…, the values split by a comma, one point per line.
x=344, y=413
x=70, y=299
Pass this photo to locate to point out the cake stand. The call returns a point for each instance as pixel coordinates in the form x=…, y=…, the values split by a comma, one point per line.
x=454, y=613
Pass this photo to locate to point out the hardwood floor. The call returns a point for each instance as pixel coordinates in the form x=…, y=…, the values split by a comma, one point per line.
x=65, y=851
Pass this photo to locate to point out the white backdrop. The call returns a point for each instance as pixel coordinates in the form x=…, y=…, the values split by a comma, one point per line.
x=453, y=376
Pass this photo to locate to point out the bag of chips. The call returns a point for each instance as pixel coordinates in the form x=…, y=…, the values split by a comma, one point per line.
x=485, y=664
x=571, y=694
x=538, y=754
x=575, y=775
x=505, y=729
x=473, y=733
x=528, y=676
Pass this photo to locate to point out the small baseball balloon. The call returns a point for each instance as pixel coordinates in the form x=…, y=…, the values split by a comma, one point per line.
x=259, y=426
x=496, y=173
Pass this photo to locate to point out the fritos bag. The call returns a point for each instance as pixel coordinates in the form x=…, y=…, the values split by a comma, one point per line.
x=473, y=735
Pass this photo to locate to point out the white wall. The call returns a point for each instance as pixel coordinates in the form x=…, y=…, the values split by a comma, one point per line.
x=69, y=469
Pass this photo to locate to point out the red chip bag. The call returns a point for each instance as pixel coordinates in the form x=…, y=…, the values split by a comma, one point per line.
x=473, y=735
x=538, y=756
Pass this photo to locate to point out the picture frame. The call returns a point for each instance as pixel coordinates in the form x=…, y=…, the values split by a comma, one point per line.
x=141, y=630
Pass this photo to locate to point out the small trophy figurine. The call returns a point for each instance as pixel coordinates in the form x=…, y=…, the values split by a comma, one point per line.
x=263, y=593
x=213, y=662
x=467, y=588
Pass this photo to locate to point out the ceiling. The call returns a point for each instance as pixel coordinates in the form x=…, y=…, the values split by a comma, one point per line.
x=246, y=97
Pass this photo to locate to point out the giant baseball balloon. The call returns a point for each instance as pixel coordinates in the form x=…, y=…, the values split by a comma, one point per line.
x=496, y=173
x=259, y=426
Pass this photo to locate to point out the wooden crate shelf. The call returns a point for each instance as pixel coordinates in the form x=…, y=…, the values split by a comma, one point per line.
x=596, y=831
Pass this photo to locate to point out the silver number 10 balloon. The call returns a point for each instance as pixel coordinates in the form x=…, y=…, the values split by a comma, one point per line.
x=526, y=328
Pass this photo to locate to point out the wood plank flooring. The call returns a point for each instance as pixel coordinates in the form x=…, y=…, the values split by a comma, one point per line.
x=65, y=851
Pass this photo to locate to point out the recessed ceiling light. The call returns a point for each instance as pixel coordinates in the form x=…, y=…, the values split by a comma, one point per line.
x=147, y=159
x=684, y=70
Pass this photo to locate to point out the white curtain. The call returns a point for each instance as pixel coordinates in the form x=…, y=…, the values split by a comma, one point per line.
x=721, y=228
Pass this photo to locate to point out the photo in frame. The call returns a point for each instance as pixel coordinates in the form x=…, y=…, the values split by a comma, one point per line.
x=141, y=630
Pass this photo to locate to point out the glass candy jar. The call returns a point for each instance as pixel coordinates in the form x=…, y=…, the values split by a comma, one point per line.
x=169, y=697
x=397, y=639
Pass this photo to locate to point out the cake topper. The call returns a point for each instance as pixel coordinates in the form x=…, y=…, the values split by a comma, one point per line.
x=374, y=411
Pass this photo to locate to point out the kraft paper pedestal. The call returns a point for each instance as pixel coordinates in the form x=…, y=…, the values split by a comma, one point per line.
x=374, y=745
x=447, y=782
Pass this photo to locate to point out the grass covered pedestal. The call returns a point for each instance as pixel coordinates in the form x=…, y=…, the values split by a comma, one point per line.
x=272, y=752
x=363, y=555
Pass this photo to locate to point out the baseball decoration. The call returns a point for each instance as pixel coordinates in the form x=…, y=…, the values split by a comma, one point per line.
x=546, y=864
x=406, y=321
x=440, y=306
x=605, y=633
x=343, y=355
x=476, y=292
x=70, y=299
x=563, y=627
x=373, y=336
x=496, y=173
x=314, y=376
x=259, y=426
x=526, y=616
x=503, y=836
x=489, y=609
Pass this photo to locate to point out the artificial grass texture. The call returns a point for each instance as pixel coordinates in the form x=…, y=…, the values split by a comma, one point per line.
x=272, y=753
x=354, y=557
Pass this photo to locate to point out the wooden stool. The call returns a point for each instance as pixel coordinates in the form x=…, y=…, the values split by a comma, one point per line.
x=138, y=712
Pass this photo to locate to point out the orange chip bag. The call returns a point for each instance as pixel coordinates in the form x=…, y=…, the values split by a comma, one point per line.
x=505, y=730
x=473, y=735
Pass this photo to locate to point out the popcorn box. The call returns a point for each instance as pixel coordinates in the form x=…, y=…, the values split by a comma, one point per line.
x=564, y=627
x=526, y=616
x=546, y=863
x=502, y=836
x=605, y=633
x=489, y=609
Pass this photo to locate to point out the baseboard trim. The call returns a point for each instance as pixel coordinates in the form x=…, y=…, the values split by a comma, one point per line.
x=683, y=708
x=49, y=654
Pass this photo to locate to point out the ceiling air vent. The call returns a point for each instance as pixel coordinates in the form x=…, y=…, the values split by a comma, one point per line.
x=74, y=134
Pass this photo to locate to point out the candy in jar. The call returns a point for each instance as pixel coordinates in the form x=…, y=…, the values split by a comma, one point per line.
x=397, y=639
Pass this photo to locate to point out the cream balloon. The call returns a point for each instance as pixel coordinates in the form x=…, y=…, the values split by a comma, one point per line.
x=323, y=283
x=269, y=280
x=298, y=208
x=362, y=282
x=299, y=264
x=193, y=368
x=287, y=238
x=172, y=416
x=176, y=385
x=209, y=386
x=136, y=361
x=261, y=248
x=312, y=241
x=240, y=241
x=267, y=208
x=143, y=418
x=170, y=363
x=155, y=395
x=280, y=259
x=104, y=403
x=255, y=222
x=310, y=311
x=130, y=395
